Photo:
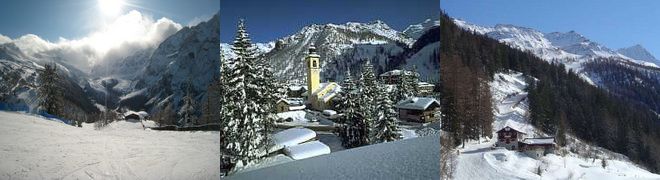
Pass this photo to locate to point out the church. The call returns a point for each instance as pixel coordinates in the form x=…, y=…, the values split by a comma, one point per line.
x=319, y=95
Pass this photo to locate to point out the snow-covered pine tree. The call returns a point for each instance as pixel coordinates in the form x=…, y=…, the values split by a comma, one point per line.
x=386, y=128
x=403, y=88
x=353, y=129
x=413, y=81
x=368, y=89
x=186, y=114
x=50, y=93
x=243, y=111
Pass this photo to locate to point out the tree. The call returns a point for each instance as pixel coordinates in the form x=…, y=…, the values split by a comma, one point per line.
x=352, y=130
x=386, y=128
x=187, y=111
x=403, y=88
x=246, y=107
x=368, y=91
x=49, y=90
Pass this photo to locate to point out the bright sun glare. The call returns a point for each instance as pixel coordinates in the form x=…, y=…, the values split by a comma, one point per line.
x=110, y=7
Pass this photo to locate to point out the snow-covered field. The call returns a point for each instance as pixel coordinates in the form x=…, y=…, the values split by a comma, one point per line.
x=32, y=147
x=478, y=161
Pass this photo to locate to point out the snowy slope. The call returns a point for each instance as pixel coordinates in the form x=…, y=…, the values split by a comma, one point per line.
x=478, y=161
x=416, y=30
x=415, y=158
x=32, y=147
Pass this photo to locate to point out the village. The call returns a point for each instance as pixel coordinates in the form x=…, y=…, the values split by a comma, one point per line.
x=309, y=117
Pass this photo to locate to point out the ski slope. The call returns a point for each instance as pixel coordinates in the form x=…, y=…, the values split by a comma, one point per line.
x=32, y=147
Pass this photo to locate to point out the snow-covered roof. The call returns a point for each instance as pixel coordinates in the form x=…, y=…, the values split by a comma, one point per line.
x=416, y=103
x=142, y=114
x=395, y=72
x=296, y=87
x=543, y=140
x=293, y=108
x=293, y=101
x=515, y=129
x=336, y=89
x=307, y=150
x=293, y=136
x=422, y=84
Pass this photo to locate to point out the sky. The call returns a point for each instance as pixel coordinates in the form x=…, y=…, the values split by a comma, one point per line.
x=613, y=23
x=73, y=19
x=270, y=20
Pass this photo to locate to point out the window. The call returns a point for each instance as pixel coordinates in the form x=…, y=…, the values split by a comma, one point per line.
x=314, y=64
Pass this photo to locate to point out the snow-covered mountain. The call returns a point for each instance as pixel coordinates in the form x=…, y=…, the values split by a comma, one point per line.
x=190, y=55
x=640, y=53
x=554, y=45
x=344, y=46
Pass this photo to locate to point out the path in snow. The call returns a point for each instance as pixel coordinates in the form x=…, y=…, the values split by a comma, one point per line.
x=35, y=148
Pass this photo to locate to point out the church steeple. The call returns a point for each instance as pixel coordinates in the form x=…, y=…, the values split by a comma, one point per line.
x=313, y=69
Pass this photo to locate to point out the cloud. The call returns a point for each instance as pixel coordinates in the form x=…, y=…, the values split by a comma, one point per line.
x=4, y=39
x=199, y=19
x=128, y=33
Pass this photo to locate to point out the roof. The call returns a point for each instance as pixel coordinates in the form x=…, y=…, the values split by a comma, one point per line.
x=293, y=136
x=422, y=84
x=417, y=103
x=297, y=88
x=307, y=150
x=141, y=114
x=542, y=140
x=503, y=129
x=292, y=101
x=336, y=89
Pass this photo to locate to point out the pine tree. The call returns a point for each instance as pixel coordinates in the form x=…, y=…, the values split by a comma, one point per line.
x=245, y=103
x=413, y=81
x=404, y=89
x=368, y=89
x=386, y=128
x=353, y=130
x=50, y=92
x=187, y=111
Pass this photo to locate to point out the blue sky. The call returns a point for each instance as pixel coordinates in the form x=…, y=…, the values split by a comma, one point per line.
x=72, y=19
x=613, y=23
x=270, y=20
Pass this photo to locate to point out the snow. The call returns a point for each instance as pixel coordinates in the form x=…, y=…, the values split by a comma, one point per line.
x=415, y=158
x=293, y=136
x=478, y=161
x=307, y=150
x=539, y=140
x=32, y=147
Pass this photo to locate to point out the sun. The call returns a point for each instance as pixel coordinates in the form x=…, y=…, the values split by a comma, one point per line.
x=110, y=7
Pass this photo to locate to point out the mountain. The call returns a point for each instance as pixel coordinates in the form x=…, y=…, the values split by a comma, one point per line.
x=554, y=45
x=416, y=30
x=640, y=53
x=344, y=46
x=189, y=56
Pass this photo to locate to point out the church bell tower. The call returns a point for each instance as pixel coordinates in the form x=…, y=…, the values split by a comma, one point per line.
x=313, y=70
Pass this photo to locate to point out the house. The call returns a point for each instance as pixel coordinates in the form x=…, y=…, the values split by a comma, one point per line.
x=132, y=115
x=425, y=88
x=418, y=109
x=537, y=147
x=319, y=95
x=296, y=91
x=509, y=137
x=289, y=104
x=393, y=76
